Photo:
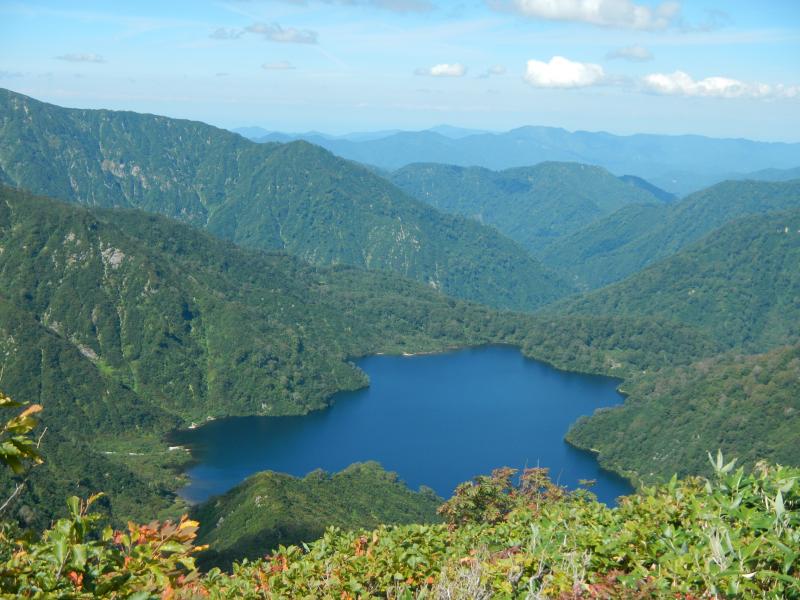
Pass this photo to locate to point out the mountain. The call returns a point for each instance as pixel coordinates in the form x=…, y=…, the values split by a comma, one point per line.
x=294, y=197
x=747, y=406
x=740, y=283
x=656, y=191
x=772, y=175
x=251, y=132
x=635, y=236
x=270, y=508
x=327, y=211
x=679, y=164
x=92, y=421
x=532, y=205
x=454, y=133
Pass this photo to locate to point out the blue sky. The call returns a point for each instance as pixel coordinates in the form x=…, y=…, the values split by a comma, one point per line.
x=720, y=68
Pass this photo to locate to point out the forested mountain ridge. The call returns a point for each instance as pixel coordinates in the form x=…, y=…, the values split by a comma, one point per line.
x=635, y=236
x=748, y=406
x=294, y=197
x=532, y=205
x=740, y=283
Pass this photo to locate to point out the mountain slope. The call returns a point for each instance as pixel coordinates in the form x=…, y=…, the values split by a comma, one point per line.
x=85, y=413
x=271, y=508
x=747, y=406
x=741, y=283
x=635, y=236
x=293, y=197
x=771, y=175
x=531, y=205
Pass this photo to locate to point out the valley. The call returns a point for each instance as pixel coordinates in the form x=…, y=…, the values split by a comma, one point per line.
x=279, y=341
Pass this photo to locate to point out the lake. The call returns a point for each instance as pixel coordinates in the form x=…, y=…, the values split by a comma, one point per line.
x=436, y=420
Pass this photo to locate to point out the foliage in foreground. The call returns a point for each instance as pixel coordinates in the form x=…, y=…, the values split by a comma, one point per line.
x=736, y=535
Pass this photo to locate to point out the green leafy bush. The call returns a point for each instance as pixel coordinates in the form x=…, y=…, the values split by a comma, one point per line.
x=735, y=535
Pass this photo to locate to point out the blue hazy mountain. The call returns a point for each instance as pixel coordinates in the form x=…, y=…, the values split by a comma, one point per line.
x=679, y=164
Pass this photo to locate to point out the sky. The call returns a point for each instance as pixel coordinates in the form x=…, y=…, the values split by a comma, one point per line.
x=724, y=68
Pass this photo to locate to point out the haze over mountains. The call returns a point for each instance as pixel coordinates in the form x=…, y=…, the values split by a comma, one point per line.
x=679, y=164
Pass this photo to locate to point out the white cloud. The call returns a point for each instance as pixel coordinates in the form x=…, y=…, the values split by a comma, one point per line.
x=443, y=70
x=403, y=5
x=563, y=73
x=83, y=57
x=281, y=65
x=289, y=35
x=604, y=13
x=680, y=83
x=493, y=70
x=269, y=31
x=225, y=33
x=632, y=53
x=398, y=6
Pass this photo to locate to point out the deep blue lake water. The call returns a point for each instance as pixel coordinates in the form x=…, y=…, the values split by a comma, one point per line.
x=436, y=420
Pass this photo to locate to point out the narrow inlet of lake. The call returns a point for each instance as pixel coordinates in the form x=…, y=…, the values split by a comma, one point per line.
x=437, y=420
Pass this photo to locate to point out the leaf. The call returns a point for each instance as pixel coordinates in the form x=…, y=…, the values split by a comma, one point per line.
x=79, y=556
x=779, y=507
x=172, y=547
x=74, y=504
x=60, y=550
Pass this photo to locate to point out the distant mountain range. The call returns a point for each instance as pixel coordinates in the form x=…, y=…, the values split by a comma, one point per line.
x=293, y=197
x=679, y=164
x=261, y=134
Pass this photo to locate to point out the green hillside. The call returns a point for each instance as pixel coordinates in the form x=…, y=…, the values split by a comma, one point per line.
x=741, y=284
x=86, y=415
x=296, y=197
x=635, y=236
x=269, y=509
x=748, y=406
x=124, y=325
x=532, y=205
